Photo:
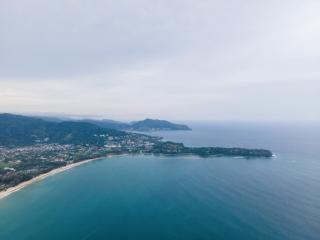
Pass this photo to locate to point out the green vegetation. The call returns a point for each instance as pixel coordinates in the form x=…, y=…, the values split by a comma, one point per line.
x=156, y=125
x=179, y=148
x=140, y=126
x=23, y=131
x=4, y=165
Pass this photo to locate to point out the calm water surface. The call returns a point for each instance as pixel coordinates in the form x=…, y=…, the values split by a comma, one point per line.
x=148, y=197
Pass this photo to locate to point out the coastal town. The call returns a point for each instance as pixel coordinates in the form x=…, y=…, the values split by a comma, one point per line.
x=20, y=164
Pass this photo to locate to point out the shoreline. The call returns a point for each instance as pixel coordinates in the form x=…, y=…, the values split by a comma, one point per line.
x=40, y=177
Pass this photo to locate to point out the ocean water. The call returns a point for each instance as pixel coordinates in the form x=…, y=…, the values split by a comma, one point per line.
x=157, y=197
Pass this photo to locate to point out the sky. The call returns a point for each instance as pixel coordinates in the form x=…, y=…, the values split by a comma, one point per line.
x=209, y=60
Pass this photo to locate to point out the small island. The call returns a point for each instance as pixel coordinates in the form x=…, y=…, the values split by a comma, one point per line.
x=32, y=147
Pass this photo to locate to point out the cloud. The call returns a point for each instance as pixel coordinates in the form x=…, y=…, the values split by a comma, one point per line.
x=173, y=59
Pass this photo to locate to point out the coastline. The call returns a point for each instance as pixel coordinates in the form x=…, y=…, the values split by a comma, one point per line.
x=22, y=185
x=40, y=177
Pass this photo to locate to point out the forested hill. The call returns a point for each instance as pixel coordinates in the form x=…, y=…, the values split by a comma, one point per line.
x=111, y=124
x=16, y=130
x=156, y=125
x=140, y=126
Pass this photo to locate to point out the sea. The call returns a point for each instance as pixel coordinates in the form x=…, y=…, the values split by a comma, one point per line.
x=148, y=197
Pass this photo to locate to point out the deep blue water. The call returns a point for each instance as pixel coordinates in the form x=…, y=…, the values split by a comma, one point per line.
x=148, y=197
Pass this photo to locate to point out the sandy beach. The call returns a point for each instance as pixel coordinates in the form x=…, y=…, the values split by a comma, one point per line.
x=11, y=190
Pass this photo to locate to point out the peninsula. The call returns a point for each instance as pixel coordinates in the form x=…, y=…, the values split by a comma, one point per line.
x=32, y=147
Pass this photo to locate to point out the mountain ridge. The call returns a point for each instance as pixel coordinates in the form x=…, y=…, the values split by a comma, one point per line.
x=23, y=130
x=145, y=125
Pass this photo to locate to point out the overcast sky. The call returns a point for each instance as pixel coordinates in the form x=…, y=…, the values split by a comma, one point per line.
x=235, y=60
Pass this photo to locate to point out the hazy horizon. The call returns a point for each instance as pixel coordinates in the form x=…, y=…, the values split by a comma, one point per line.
x=175, y=60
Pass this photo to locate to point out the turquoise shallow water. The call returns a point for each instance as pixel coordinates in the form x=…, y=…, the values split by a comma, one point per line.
x=149, y=197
